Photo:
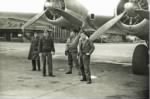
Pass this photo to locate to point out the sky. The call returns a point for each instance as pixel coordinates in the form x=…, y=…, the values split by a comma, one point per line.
x=100, y=7
x=26, y=6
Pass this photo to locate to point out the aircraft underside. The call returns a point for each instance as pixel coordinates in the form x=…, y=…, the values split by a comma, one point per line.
x=131, y=15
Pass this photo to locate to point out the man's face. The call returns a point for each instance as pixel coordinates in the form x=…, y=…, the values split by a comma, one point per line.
x=46, y=34
x=72, y=34
x=83, y=36
x=35, y=34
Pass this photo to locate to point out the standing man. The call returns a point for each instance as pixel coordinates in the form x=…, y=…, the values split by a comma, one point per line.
x=47, y=49
x=86, y=48
x=34, y=53
x=72, y=53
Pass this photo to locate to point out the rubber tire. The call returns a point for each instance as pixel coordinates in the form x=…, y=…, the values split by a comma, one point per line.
x=140, y=60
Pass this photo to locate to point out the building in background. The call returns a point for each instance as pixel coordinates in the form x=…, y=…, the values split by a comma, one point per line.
x=12, y=31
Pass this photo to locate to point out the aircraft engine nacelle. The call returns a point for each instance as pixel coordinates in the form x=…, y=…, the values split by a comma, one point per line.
x=133, y=21
x=51, y=15
x=54, y=17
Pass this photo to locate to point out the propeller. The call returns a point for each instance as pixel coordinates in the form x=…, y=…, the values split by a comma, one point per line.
x=106, y=26
x=38, y=16
x=137, y=11
x=131, y=8
x=67, y=16
x=49, y=5
x=76, y=41
x=34, y=19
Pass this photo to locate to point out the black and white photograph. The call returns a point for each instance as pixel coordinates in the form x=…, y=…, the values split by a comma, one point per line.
x=74, y=49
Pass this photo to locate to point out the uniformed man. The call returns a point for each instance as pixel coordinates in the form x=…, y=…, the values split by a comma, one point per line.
x=47, y=49
x=86, y=48
x=72, y=53
x=34, y=52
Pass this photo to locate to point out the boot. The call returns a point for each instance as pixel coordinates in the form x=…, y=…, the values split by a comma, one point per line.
x=89, y=81
x=51, y=75
x=39, y=65
x=33, y=65
x=83, y=79
x=70, y=70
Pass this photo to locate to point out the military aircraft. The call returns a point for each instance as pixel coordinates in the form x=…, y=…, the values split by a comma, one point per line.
x=131, y=18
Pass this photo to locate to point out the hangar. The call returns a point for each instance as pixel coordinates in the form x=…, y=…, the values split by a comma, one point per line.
x=12, y=31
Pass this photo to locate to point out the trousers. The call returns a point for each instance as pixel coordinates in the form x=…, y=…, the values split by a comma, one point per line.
x=73, y=58
x=85, y=67
x=36, y=63
x=47, y=62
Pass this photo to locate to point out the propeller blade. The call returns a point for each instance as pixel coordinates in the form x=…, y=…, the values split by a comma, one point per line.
x=68, y=16
x=32, y=20
x=106, y=26
x=143, y=13
x=76, y=41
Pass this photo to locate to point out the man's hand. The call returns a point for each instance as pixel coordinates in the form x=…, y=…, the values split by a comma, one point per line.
x=53, y=53
x=88, y=54
x=79, y=54
x=66, y=53
x=40, y=54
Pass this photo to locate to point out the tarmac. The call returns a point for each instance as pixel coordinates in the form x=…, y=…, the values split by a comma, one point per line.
x=111, y=70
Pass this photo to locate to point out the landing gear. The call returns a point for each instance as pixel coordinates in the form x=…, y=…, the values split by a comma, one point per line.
x=140, y=60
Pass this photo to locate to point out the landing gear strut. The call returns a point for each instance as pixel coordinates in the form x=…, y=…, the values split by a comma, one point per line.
x=140, y=60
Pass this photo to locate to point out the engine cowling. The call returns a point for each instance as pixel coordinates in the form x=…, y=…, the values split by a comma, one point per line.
x=51, y=15
x=132, y=21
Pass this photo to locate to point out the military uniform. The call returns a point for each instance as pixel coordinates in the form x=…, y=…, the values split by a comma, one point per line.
x=85, y=47
x=72, y=53
x=46, y=46
x=34, y=53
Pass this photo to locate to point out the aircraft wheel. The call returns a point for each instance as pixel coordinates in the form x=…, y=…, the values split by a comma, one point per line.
x=140, y=60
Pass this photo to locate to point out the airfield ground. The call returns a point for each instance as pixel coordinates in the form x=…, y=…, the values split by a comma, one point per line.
x=111, y=75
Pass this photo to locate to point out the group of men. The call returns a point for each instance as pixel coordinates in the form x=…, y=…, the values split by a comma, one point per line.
x=42, y=47
x=78, y=54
